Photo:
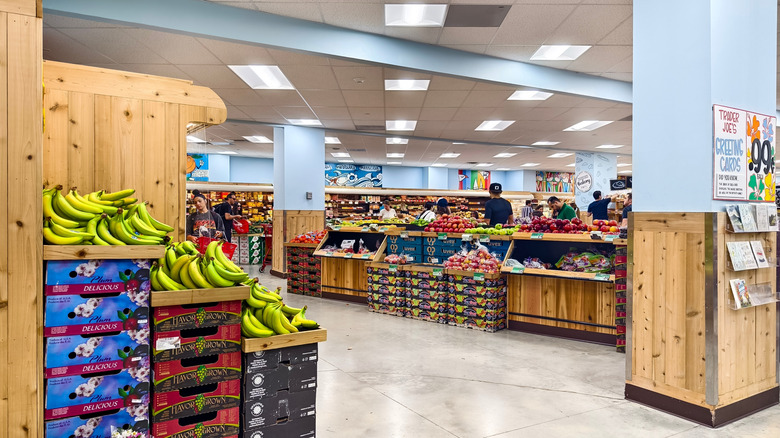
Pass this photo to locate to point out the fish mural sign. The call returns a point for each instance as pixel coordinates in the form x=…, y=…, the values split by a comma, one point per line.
x=351, y=175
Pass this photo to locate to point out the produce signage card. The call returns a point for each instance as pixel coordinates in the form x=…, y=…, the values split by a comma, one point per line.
x=132, y=418
x=743, y=155
x=80, y=395
x=89, y=314
x=74, y=355
x=83, y=277
x=758, y=252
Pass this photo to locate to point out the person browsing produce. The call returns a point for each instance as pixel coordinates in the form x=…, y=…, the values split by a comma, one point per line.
x=598, y=208
x=442, y=207
x=429, y=214
x=228, y=211
x=204, y=222
x=627, y=208
x=528, y=210
x=497, y=209
x=387, y=212
x=562, y=210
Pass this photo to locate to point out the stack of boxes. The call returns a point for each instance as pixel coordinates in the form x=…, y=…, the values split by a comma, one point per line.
x=477, y=300
x=406, y=243
x=621, y=274
x=251, y=249
x=280, y=393
x=387, y=289
x=303, y=271
x=436, y=250
x=428, y=293
x=96, y=347
x=196, y=370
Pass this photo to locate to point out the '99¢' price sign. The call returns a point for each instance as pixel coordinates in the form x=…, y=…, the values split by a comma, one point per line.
x=761, y=159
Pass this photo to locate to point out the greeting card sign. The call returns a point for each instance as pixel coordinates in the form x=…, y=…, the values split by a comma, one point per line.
x=743, y=155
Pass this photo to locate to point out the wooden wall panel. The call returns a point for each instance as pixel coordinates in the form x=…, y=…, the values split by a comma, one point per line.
x=4, y=347
x=345, y=276
x=154, y=148
x=81, y=141
x=55, y=140
x=288, y=224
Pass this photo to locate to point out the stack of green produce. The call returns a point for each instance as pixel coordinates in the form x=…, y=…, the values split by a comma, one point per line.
x=183, y=267
x=99, y=219
x=266, y=315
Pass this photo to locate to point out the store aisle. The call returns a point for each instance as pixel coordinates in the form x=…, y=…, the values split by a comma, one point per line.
x=384, y=376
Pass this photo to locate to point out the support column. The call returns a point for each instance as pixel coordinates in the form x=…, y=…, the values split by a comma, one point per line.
x=592, y=172
x=689, y=353
x=299, y=187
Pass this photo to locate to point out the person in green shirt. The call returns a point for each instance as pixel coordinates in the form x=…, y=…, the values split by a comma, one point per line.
x=562, y=210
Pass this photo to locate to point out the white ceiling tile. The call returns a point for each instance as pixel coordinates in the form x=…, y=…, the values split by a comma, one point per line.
x=364, y=113
x=59, y=47
x=402, y=113
x=332, y=113
x=364, y=98
x=259, y=112
x=562, y=100
x=238, y=96
x=338, y=124
x=295, y=112
x=531, y=25
x=474, y=48
x=444, y=99
x=235, y=113
x=280, y=98
x=599, y=59
x=479, y=99
x=293, y=58
x=349, y=78
x=213, y=76
x=165, y=70
x=622, y=35
x=115, y=44
x=629, y=77
x=477, y=115
x=368, y=17
x=330, y=98
x=467, y=35
x=589, y=24
x=519, y=53
x=428, y=114
x=304, y=11
x=237, y=54
x=174, y=48
x=404, y=99
x=450, y=84
x=624, y=66
x=428, y=35
x=311, y=77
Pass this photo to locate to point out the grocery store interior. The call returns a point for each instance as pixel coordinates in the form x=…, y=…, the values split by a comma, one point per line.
x=389, y=218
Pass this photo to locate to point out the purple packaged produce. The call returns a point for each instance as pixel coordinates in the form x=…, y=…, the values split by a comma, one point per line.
x=89, y=314
x=74, y=355
x=83, y=277
x=132, y=418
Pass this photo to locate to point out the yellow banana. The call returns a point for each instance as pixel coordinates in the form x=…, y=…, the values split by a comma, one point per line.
x=184, y=274
x=304, y=323
x=256, y=322
x=94, y=197
x=74, y=201
x=227, y=274
x=66, y=232
x=210, y=249
x=167, y=282
x=268, y=311
x=180, y=263
x=48, y=211
x=286, y=322
x=251, y=330
x=117, y=195
x=69, y=210
x=226, y=262
x=152, y=221
x=197, y=277
x=170, y=257
x=276, y=321
x=54, y=239
x=291, y=311
x=153, y=278
x=125, y=202
x=213, y=276
x=98, y=241
x=104, y=233
x=144, y=214
x=255, y=303
x=145, y=229
x=103, y=208
x=122, y=234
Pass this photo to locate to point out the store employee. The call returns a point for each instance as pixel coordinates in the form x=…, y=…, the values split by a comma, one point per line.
x=563, y=211
x=598, y=208
x=497, y=209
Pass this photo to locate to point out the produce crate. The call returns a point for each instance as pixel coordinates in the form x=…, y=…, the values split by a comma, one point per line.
x=621, y=258
x=387, y=288
x=303, y=269
x=409, y=243
x=477, y=300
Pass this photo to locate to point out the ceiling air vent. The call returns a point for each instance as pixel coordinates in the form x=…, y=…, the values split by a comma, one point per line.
x=357, y=150
x=476, y=15
x=627, y=119
x=370, y=127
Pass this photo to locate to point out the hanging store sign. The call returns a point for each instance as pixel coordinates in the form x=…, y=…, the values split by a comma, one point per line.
x=743, y=155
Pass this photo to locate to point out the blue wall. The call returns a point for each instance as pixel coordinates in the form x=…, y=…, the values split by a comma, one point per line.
x=437, y=178
x=219, y=167
x=398, y=177
x=251, y=170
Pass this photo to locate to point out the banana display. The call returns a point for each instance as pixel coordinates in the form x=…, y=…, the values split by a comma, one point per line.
x=183, y=267
x=99, y=218
x=266, y=315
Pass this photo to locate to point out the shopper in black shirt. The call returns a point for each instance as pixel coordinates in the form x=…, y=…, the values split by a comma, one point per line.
x=498, y=210
x=628, y=206
x=598, y=208
x=228, y=211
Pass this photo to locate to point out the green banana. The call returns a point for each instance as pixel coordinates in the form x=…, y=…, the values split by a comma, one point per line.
x=125, y=202
x=252, y=330
x=145, y=229
x=299, y=320
x=255, y=292
x=286, y=322
x=276, y=321
x=94, y=197
x=190, y=248
x=291, y=311
x=104, y=233
x=117, y=228
x=256, y=322
x=214, y=277
x=48, y=211
x=153, y=278
x=255, y=303
x=268, y=310
x=170, y=257
x=69, y=210
x=210, y=248
x=144, y=214
x=117, y=195
x=227, y=274
x=179, y=249
x=226, y=262
x=167, y=282
x=151, y=220
x=98, y=241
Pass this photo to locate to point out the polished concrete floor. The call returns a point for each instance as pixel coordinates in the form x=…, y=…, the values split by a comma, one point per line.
x=384, y=376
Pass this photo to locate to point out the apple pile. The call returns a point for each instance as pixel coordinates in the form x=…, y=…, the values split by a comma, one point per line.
x=396, y=259
x=450, y=224
x=477, y=260
x=560, y=226
x=605, y=226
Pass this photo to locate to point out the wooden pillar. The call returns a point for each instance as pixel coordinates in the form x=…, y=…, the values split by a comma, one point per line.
x=286, y=225
x=689, y=353
x=21, y=284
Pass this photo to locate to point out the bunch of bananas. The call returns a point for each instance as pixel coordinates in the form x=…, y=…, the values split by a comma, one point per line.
x=99, y=219
x=183, y=267
x=266, y=315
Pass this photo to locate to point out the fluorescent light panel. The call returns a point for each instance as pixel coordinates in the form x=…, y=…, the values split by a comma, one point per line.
x=339, y=154
x=504, y=155
x=531, y=164
x=625, y=171
x=406, y=84
x=415, y=15
x=587, y=125
x=623, y=165
x=305, y=122
x=332, y=140
x=396, y=140
x=400, y=125
x=560, y=155
x=494, y=125
x=262, y=77
x=609, y=146
x=545, y=143
x=393, y=162
x=257, y=139
x=571, y=165
x=484, y=164
x=449, y=155
x=193, y=139
x=346, y=161
x=558, y=53
x=529, y=95
x=503, y=168
x=438, y=165
x=395, y=155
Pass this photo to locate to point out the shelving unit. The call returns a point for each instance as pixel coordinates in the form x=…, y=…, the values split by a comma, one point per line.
x=252, y=345
x=256, y=206
x=196, y=296
x=78, y=252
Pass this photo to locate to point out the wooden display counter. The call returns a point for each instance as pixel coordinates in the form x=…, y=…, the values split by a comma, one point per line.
x=344, y=274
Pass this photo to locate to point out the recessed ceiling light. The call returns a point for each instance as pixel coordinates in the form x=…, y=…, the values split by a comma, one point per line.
x=625, y=171
x=438, y=165
x=415, y=15
x=560, y=155
x=193, y=139
x=396, y=140
x=400, y=125
x=339, y=154
x=494, y=125
x=305, y=122
x=623, y=165
x=332, y=140
x=571, y=165
x=484, y=164
x=531, y=164
x=504, y=155
x=449, y=155
x=503, y=168
x=529, y=95
x=258, y=139
x=406, y=84
x=545, y=143
x=588, y=125
x=609, y=146
x=393, y=162
x=346, y=161
x=262, y=77
x=225, y=152
x=558, y=53
x=395, y=155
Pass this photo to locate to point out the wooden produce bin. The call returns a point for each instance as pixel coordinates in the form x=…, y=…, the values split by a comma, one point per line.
x=576, y=305
x=304, y=269
x=689, y=352
x=344, y=275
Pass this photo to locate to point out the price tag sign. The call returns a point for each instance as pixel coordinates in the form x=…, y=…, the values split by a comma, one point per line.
x=348, y=255
x=466, y=237
x=365, y=229
x=336, y=227
x=601, y=277
x=518, y=269
x=537, y=235
x=442, y=236
x=393, y=268
x=404, y=234
x=609, y=237
x=478, y=276
x=438, y=272
x=434, y=260
x=409, y=258
x=382, y=229
x=365, y=256
x=484, y=238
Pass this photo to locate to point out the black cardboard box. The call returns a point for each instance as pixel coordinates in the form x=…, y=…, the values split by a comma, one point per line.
x=262, y=360
x=278, y=407
x=305, y=427
x=295, y=378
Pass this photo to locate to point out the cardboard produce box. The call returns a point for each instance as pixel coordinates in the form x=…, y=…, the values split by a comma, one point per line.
x=204, y=341
x=192, y=316
x=67, y=315
x=280, y=406
x=269, y=359
x=135, y=418
x=85, y=277
x=178, y=374
x=79, y=395
x=76, y=355
x=220, y=424
x=304, y=427
x=294, y=378
x=196, y=400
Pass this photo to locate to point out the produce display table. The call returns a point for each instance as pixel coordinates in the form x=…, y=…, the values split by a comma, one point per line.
x=344, y=271
x=303, y=269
